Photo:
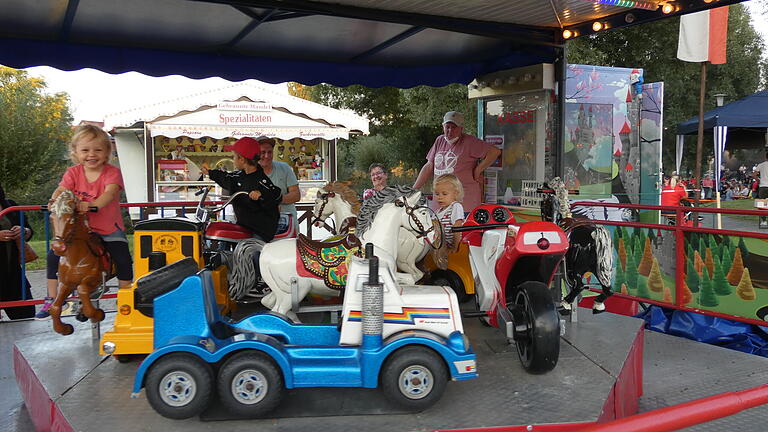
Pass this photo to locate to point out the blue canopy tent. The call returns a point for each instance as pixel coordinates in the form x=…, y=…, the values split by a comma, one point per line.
x=749, y=113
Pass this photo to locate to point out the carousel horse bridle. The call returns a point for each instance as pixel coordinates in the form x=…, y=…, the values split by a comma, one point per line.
x=316, y=217
x=421, y=232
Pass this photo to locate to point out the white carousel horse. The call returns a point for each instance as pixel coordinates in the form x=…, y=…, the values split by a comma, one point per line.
x=340, y=201
x=320, y=267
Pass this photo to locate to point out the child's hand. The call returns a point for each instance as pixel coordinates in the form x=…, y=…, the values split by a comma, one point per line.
x=254, y=195
x=83, y=206
x=205, y=167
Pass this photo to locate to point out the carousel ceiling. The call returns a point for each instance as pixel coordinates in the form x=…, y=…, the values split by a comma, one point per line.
x=371, y=42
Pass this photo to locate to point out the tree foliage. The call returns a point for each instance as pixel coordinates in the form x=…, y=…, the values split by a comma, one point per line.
x=653, y=47
x=408, y=120
x=403, y=123
x=34, y=130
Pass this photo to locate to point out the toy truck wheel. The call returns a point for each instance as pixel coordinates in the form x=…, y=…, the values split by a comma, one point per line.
x=179, y=386
x=250, y=384
x=451, y=279
x=538, y=345
x=414, y=378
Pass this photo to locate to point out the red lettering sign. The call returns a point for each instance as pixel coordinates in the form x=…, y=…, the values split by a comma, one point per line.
x=517, y=117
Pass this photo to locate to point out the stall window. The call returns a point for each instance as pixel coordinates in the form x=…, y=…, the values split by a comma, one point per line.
x=520, y=125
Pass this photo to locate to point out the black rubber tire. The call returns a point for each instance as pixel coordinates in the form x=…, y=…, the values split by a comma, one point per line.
x=177, y=371
x=250, y=384
x=539, y=347
x=165, y=279
x=451, y=279
x=428, y=376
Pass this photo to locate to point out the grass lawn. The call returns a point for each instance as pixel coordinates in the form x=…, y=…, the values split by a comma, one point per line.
x=742, y=204
x=39, y=247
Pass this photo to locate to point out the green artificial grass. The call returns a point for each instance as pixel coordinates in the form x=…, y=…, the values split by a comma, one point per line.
x=742, y=204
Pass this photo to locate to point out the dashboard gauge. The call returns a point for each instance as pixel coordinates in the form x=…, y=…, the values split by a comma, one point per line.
x=500, y=214
x=482, y=216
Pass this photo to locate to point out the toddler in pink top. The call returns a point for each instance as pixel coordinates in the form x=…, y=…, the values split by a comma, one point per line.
x=97, y=184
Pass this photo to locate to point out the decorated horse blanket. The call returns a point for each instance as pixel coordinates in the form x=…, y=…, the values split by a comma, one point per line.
x=326, y=260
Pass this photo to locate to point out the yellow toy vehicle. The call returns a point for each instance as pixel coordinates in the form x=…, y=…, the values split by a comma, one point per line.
x=458, y=274
x=158, y=242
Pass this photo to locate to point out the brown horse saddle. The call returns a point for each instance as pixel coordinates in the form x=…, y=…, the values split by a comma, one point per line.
x=326, y=260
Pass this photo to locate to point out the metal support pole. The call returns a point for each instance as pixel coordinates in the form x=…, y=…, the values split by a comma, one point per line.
x=699, y=143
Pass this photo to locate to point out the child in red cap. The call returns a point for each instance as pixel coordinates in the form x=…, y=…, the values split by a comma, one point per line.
x=258, y=212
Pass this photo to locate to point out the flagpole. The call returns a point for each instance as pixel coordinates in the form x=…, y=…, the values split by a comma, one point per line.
x=699, y=143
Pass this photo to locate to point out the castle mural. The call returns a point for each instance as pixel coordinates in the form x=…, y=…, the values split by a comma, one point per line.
x=602, y=150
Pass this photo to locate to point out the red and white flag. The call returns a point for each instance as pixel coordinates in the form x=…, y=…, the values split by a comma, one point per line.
x=703, y=36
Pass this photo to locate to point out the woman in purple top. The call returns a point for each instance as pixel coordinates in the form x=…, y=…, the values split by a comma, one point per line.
x=460, y=154
x=378, y=179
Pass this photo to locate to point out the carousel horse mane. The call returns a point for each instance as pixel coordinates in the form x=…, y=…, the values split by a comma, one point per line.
x=64, y=203
x=372, y=205
x=346, y=193
x=243, y=275
x=604, y=244
x=561, y=192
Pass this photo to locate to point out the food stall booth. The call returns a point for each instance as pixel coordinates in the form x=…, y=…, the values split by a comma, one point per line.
x=162, y=147
x=611, y=149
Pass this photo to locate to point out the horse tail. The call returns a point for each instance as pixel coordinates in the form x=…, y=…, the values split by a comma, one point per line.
x=243, y=274
x=604, y=251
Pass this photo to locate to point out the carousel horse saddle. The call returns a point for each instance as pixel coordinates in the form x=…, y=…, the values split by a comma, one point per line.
x=98, y=248
x=326, y=260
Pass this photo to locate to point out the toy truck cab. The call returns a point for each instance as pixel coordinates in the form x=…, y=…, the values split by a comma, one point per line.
x=407, y=340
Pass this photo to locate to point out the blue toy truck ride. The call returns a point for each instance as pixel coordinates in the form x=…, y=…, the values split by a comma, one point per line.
x=408, y=340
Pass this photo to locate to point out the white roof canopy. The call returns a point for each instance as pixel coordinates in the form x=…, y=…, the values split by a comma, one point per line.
x=240, y=119
x=241, y=109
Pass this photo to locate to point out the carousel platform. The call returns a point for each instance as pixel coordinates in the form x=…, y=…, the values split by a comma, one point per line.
x=66, y=385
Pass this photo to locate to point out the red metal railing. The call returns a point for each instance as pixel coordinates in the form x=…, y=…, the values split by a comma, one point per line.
x=679, y=231
x=23, y=209
x=686, y=414
x=177, y=206
x=661, y=420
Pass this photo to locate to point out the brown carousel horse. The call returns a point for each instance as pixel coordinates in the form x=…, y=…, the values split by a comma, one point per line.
x=83, y=259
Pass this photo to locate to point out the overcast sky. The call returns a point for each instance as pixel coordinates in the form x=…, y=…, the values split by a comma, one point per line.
x=94, y=93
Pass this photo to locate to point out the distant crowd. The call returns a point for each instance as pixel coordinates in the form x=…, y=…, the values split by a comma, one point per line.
x=733, y=184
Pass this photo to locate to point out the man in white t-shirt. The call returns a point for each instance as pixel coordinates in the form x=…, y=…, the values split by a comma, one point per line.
x=762, y=169
x=281, y=174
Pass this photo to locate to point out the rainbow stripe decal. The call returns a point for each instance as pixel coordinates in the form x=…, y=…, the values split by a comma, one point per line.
x=407, y=315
